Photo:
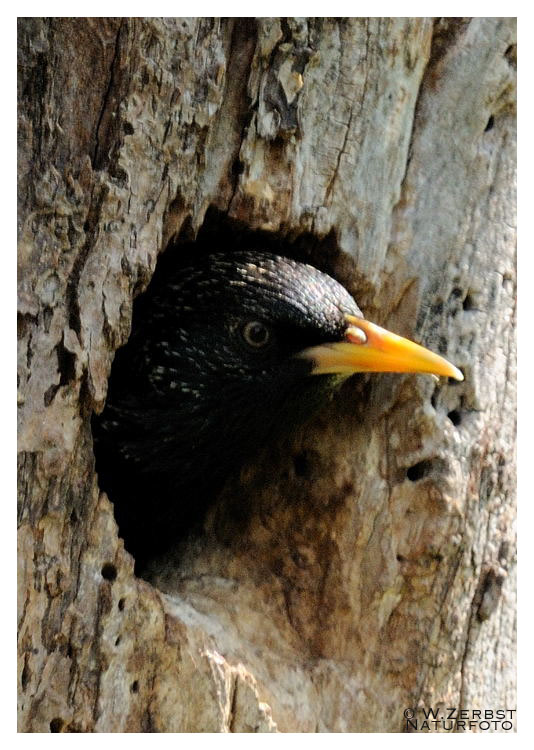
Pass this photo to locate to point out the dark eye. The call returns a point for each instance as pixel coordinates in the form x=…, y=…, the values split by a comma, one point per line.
x=256, y=334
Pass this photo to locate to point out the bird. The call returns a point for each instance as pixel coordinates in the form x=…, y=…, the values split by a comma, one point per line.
x=227, y=353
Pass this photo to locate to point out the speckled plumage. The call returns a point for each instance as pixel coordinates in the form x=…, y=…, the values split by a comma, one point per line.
x=188, y=402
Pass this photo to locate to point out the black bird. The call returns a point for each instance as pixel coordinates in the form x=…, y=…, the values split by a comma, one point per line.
x=225, y=355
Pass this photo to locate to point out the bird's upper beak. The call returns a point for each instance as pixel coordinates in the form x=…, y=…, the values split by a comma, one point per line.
x=369, y=348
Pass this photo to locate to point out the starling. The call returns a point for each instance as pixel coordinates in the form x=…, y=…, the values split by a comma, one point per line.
x=226, y=355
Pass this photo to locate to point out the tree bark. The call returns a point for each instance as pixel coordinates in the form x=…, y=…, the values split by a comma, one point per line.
x=375, y=572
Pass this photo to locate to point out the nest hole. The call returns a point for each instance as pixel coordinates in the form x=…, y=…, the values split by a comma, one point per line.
x=223, y=235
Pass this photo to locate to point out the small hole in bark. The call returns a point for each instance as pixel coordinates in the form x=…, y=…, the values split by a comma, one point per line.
x=117, y=640
x=109, y=572
x=490, y=124
x=468, y=303
x=238, y=167
x=135, y=686
x=128, y=128
x=419, y=470
x=66, y=364
x=56, y=725
x=455, y=416
x=24, y=679
x=121, y=604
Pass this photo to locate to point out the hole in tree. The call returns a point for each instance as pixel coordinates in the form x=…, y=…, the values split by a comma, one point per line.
x=490, y=123
x=238, y=167
x=136, y=495
x=420, y=470
x=455, y=416
x=25, y=676
x=468, y=303
x=109, y=572
x=56, y=725
x=135, y=686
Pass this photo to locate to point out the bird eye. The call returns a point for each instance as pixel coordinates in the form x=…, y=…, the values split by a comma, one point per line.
x=256, y=334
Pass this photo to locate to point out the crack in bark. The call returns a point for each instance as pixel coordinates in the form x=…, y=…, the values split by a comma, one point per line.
x=330, y=186
x=233, y=703
x=98, y=159
x=71, y=292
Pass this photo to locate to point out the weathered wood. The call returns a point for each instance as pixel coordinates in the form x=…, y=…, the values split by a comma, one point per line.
x=375, y=571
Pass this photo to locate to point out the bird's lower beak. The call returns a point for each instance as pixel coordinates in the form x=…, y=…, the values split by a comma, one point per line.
x=369, y=348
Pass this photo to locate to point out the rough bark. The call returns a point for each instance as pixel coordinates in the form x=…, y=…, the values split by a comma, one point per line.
x=376, y=569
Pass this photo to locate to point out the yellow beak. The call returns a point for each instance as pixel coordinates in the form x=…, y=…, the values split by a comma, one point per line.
x=369, y=348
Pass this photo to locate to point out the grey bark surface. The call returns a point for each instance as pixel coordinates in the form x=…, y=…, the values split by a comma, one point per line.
x=376, y=570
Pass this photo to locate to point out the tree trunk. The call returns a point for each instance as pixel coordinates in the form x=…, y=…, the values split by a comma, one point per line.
x=375, y=572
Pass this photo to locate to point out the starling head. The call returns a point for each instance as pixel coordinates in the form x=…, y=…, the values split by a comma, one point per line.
x=224, y=356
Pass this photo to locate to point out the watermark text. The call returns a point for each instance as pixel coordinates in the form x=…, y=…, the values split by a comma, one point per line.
x=451, y=719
